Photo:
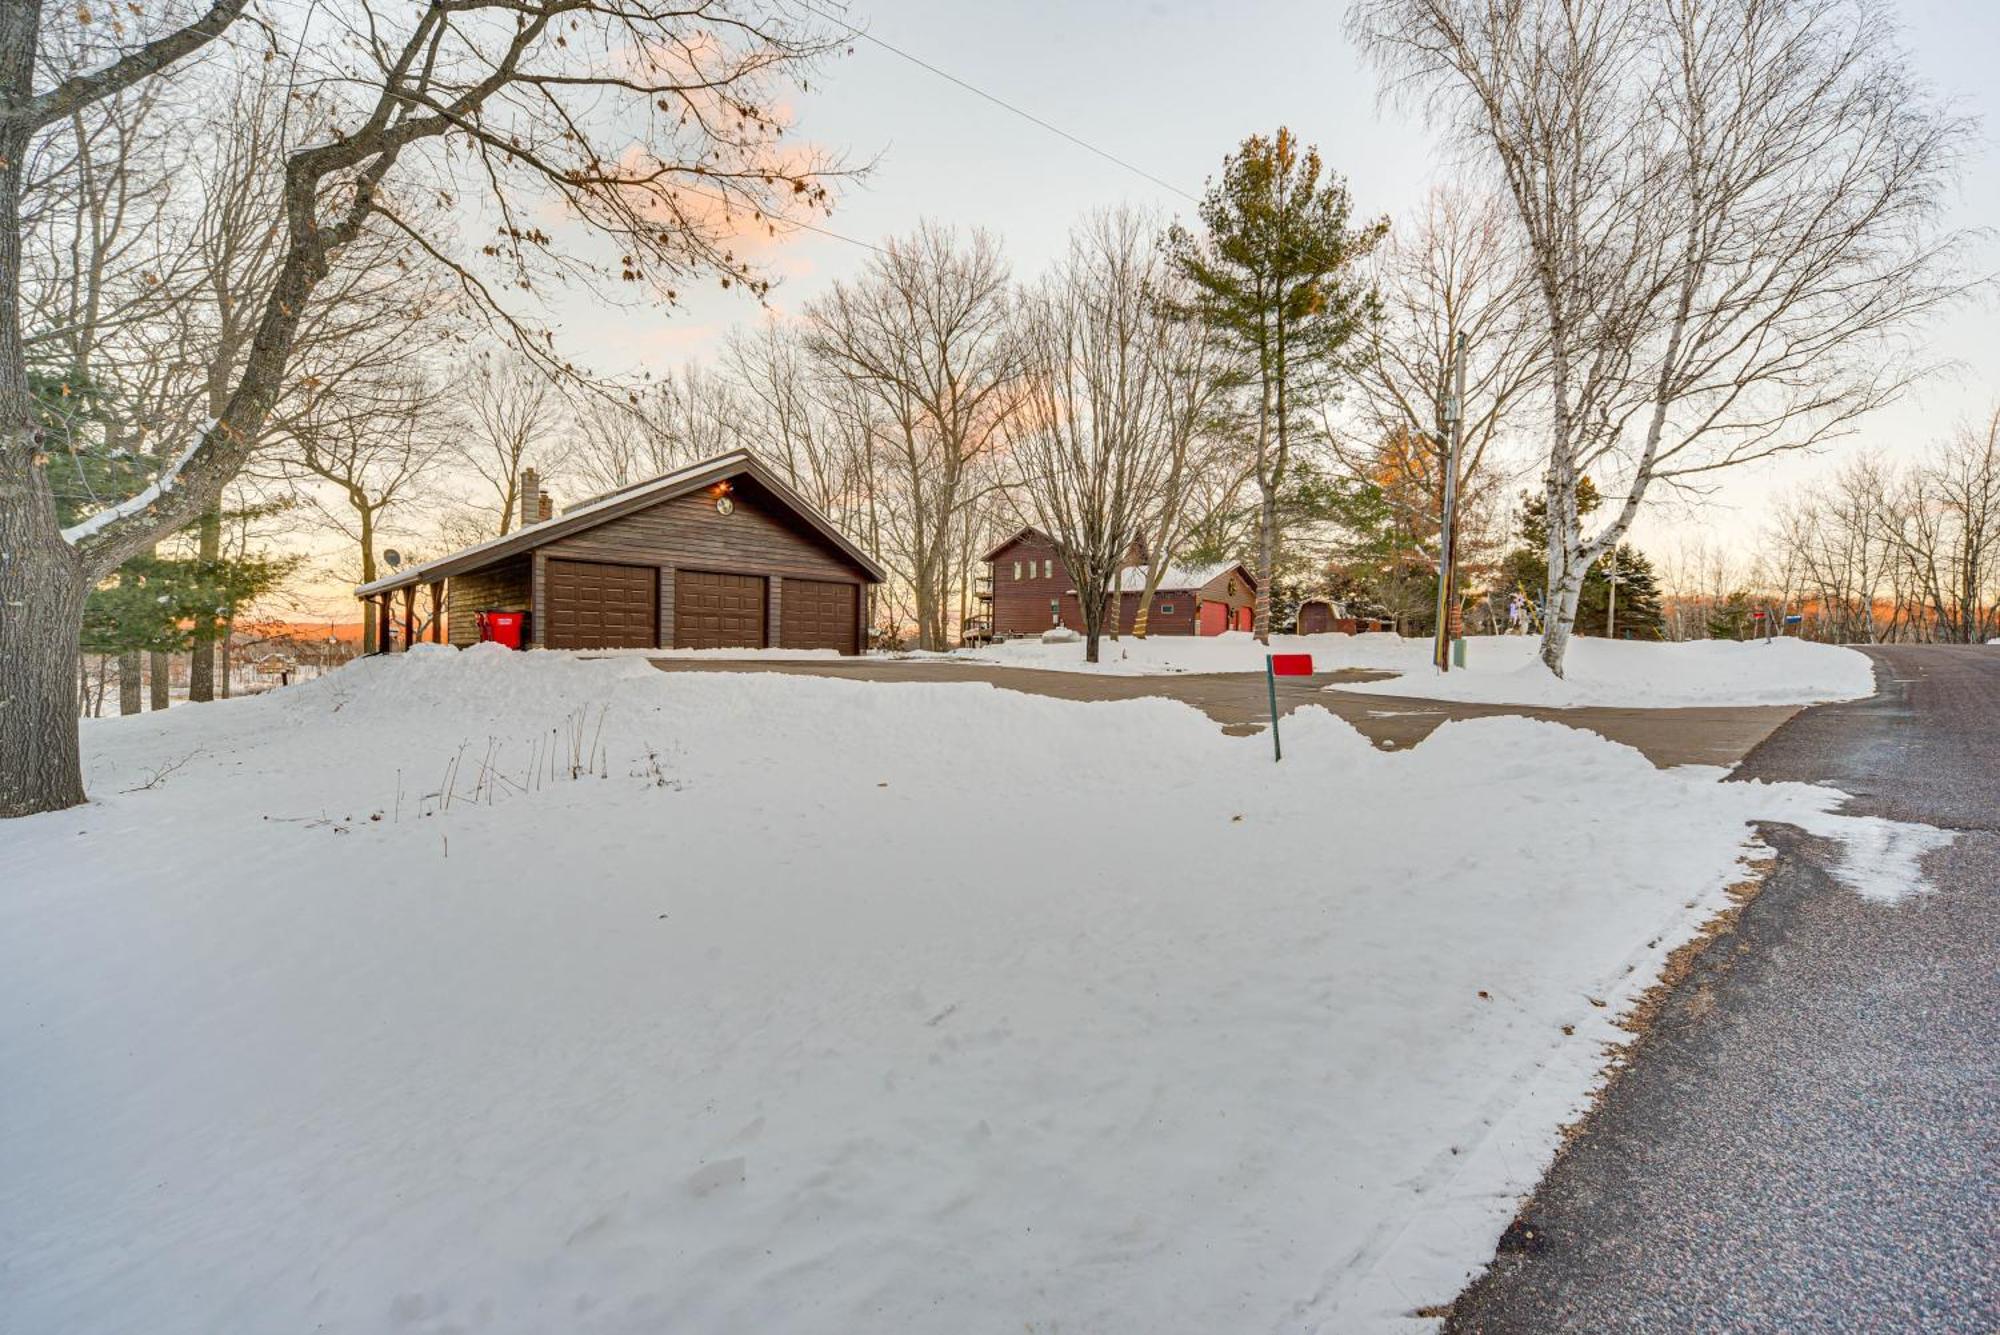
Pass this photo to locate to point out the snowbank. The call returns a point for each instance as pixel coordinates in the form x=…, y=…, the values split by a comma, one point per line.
x=811, y=1005
x=1504, y=669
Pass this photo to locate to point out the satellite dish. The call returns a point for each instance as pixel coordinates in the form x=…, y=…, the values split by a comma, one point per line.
x=392, y=558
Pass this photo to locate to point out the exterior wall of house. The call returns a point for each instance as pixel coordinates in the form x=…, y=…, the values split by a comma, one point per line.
x=1021, y=604
x=1172, y=614
x=504, y=587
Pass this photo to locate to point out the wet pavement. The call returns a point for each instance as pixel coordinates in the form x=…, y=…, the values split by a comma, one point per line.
x=1808, y=1139
x=1237, y=701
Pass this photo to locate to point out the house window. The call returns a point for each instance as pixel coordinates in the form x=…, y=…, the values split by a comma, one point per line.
x=1166, y=609
x=1049, y=568
x=1017, y=570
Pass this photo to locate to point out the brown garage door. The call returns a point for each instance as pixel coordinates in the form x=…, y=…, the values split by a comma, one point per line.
x=714, y=611
x=817, y=614
x=591, y=605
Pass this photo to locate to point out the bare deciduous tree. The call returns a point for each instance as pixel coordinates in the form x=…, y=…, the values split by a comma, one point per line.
x=510, y=408
x=924, y=333
x=1728, y=210
x=1453, y=271
x=629, y=116
x=359, y=450
x=1089, y=445
x=1949, y=536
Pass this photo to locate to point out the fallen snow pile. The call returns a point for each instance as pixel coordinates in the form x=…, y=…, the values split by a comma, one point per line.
x=1505, y=669
x=516, y=992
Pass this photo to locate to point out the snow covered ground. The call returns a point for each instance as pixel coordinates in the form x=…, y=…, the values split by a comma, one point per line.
x=813, y=1005
x=1503, y=669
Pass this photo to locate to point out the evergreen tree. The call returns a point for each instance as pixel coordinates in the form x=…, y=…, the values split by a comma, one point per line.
x=1275, y=275
x=1639, y=614
x=1731, y=620
x=1525, y=571
x=153, y=604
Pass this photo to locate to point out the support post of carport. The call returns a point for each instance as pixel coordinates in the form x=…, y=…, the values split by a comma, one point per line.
x=381, y=602
x=409, y=616
x=437, y=611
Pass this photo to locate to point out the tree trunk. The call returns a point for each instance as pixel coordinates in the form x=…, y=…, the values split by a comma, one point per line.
x=1267, y=559
x=160, y=668
x=41, y=611
x=1558, y=619
x=201, y=665
x=129, y=681
x=42, y=583
x=368, y=628
x=1090, y=602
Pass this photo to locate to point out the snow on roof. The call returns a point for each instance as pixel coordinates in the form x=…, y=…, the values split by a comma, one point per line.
x=514, y=538
x=578, y=516
x=1133, y=579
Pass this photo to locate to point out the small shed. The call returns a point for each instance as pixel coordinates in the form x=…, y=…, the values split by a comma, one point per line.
x=1321, y=616
x=721, y=554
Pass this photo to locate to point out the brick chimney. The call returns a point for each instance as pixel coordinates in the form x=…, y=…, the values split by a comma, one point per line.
x=531, y=497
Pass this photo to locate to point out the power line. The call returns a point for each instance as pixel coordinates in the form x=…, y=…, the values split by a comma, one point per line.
x=1001, y=102
x=783, y=223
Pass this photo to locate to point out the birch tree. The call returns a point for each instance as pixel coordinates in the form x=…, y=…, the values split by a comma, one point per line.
x=1729, y=210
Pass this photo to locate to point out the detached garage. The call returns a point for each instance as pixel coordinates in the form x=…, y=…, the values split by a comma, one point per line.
x=719, y=555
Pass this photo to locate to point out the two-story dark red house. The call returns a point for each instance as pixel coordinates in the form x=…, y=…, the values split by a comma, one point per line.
x=1028, y=590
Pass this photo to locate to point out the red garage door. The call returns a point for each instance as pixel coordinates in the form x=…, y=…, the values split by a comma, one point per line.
x=593, y=605
x=1214, y=618
x=1245, y=617
x=717, y=611
x=818, y=614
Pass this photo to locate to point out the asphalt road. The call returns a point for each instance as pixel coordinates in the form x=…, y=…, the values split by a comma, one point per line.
x=1236, y=700
x=1809, y=1137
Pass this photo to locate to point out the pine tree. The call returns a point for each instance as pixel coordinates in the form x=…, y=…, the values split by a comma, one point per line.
x=1275, y=274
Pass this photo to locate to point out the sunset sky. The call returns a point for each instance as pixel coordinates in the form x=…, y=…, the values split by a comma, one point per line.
x=1170, y=86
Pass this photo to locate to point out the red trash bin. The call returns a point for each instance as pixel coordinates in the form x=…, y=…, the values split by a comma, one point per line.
x=502, y=627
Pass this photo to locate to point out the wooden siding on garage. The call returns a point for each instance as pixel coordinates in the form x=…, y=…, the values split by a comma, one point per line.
x=760, y=535
x=686, y=536
x=503, y=588
x=677, y=543
x=820, y=614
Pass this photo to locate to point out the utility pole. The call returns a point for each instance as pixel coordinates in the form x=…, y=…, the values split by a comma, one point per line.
x=1454, y=420
x=1611, y=597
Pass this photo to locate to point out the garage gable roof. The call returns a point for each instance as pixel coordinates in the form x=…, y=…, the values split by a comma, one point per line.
x=615, y=505
x=1179, y=579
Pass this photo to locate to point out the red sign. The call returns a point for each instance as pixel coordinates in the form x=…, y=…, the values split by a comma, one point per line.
x=1756, y=616
x=1291, y=665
